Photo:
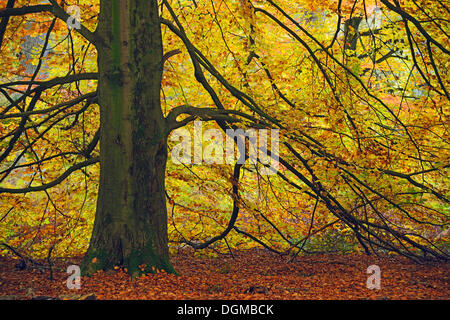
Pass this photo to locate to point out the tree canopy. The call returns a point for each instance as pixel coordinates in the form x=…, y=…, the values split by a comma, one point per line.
x=357, y=89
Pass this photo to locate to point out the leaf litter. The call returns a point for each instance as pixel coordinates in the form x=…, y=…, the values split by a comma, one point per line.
x=253, y=274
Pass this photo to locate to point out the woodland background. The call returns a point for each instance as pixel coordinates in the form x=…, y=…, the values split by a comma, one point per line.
x=359, y=88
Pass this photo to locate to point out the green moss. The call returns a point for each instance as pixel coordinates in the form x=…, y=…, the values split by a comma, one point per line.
x=115, y=74
x=144, y=260
x=93, y=261
x=140, y=261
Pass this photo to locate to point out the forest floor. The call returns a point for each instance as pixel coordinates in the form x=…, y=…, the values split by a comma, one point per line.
x=254, y=274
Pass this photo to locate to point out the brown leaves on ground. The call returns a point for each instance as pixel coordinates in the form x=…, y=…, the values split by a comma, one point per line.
x=249, y=275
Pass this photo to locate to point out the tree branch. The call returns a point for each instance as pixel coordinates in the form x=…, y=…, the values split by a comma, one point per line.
x=53, y=8
x=53, y=183
x=205, y=114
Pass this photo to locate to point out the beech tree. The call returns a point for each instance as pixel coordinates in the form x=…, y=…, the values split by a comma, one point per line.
x=361, y=153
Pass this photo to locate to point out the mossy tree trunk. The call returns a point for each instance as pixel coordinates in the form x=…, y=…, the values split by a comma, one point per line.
x=130, y=226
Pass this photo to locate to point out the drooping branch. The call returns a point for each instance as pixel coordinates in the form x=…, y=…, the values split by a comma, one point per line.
x=53, y=183
x=22, y=127
x=397, y=8
x=366, y=234
x=50, y=109
x=199, y=60
x=233, y=217
x=46, y=84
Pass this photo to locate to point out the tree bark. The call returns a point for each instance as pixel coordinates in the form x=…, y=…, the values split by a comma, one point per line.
x=130, y=226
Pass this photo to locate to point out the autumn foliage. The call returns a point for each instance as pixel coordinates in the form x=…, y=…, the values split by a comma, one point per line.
x=252, y=275
x=358, y=90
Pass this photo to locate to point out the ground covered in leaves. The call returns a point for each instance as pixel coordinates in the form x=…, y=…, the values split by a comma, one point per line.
x=254, y=274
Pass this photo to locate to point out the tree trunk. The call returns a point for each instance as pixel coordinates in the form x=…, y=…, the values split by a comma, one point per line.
x=130, y=226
